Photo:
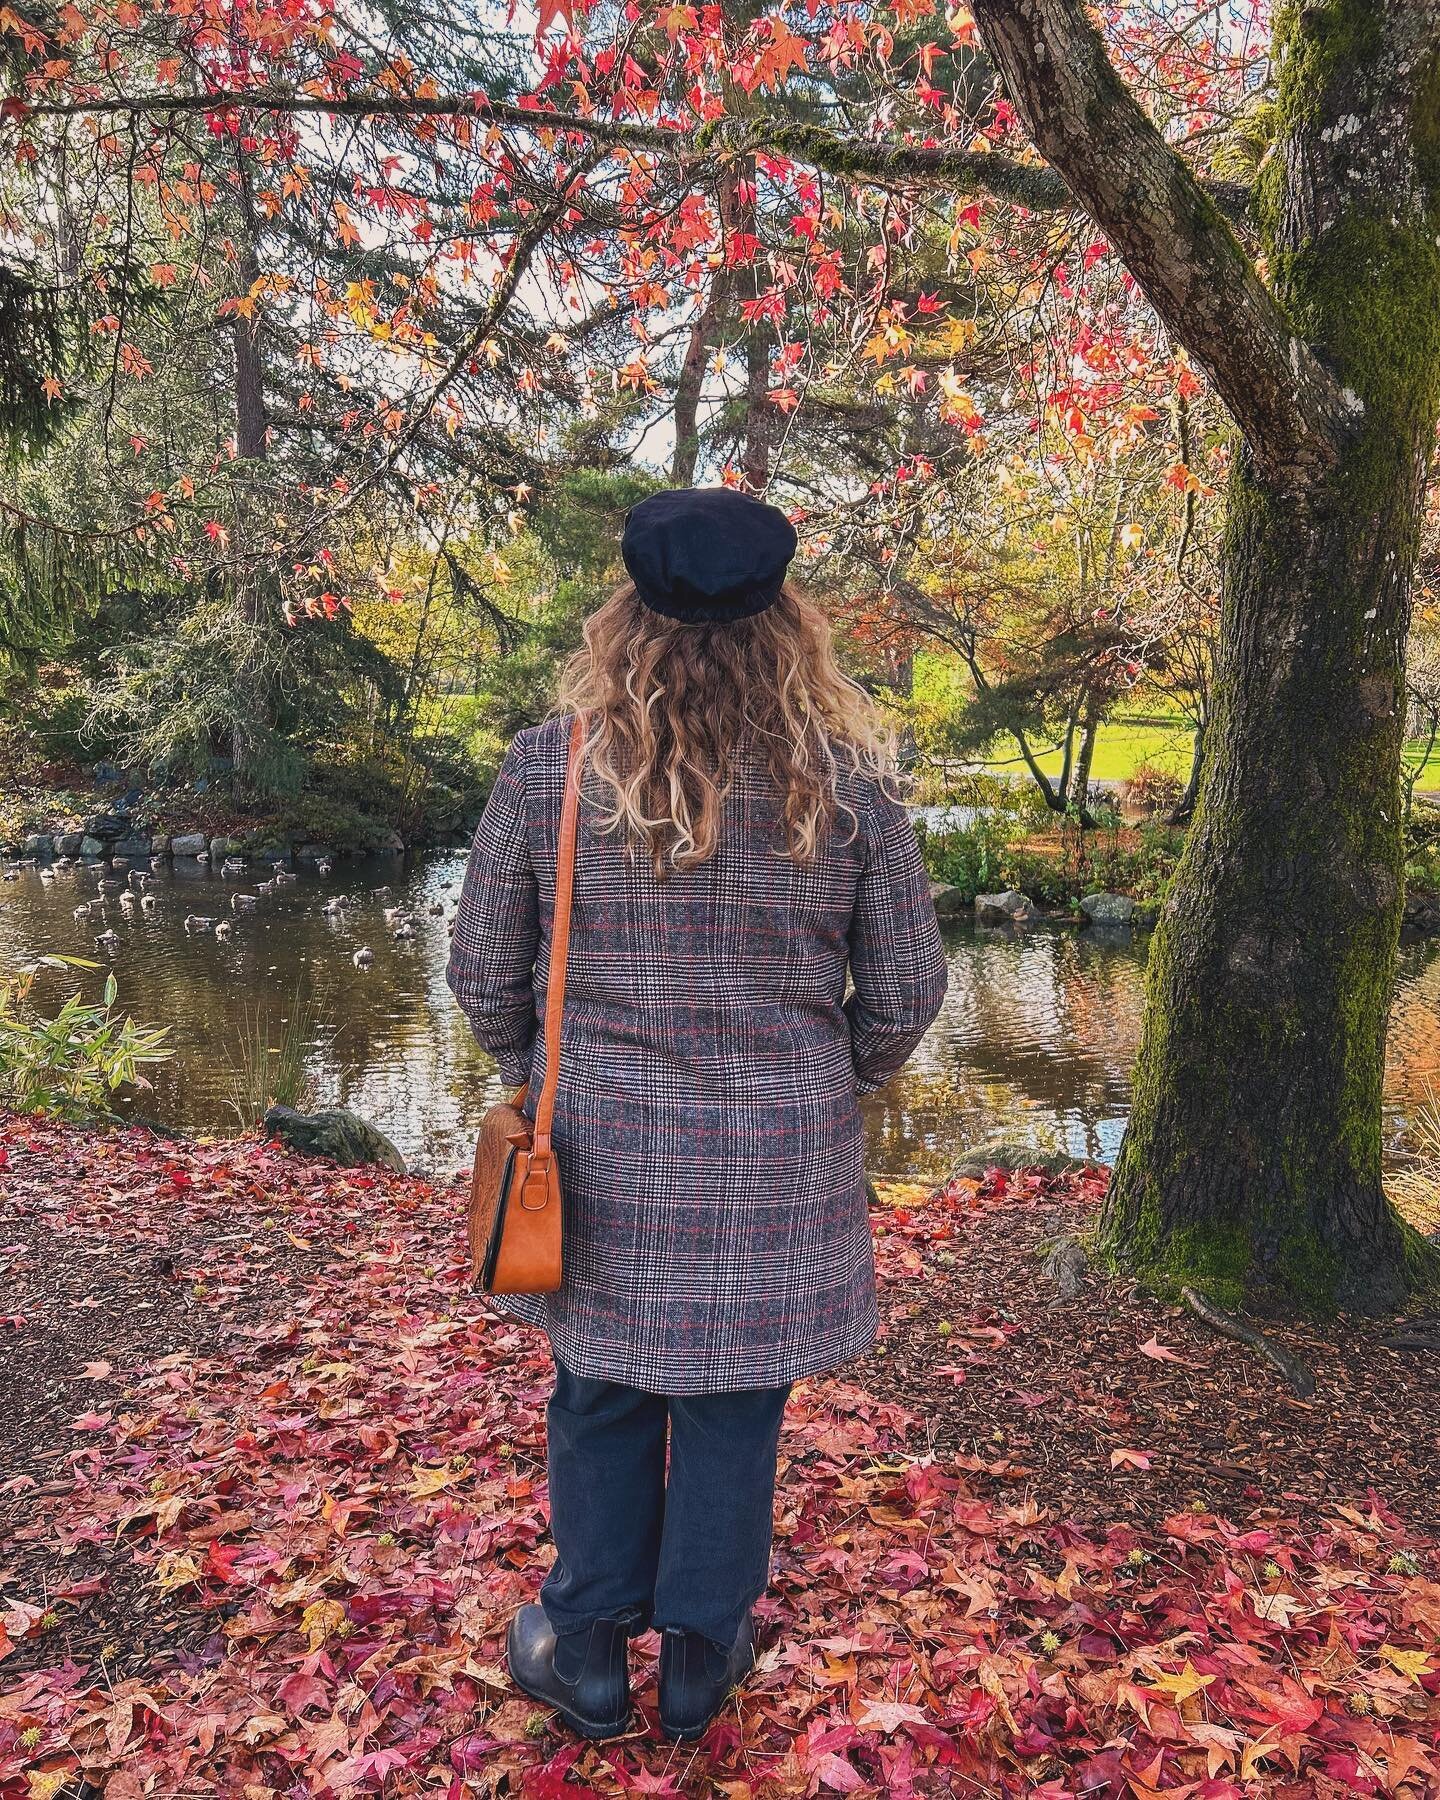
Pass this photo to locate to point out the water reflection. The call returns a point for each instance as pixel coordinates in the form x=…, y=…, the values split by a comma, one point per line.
x=1034, y=1042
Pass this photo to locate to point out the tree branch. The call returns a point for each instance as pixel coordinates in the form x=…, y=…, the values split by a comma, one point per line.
x=1030, y=185
x=1198, y=277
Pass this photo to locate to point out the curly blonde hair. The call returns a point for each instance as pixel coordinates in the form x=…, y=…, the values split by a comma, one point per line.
x=671, y=705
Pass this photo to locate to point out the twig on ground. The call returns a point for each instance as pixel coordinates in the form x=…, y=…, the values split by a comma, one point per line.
x=1299, y=1374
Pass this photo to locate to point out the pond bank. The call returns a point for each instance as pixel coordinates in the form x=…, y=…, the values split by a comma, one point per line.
x=103, y=812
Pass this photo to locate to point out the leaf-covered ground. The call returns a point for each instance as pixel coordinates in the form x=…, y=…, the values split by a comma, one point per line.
x=273, y=1483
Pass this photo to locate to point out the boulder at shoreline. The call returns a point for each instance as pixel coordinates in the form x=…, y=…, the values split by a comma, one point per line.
x=335, y=1132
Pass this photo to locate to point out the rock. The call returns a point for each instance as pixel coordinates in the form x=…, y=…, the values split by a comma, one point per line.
x=39, y=843
x=67, y=843
x=160, y=844
x=189, y=843
x=221, y=847
x=337, y=1133
x=106, y=825
x=1147, y=915
x=91, y=848
x=387, y=843
x=271, y=853
x=1422, y=914
x=1008, y=908
x=137, y=846
x=1108, y=909
x=1010, y=1153
x=949, y=901
x=314, y=853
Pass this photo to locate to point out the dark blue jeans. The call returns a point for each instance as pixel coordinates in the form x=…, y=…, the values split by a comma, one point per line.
x=690, y=1551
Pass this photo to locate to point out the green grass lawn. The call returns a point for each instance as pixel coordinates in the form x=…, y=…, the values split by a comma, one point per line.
x=1128, y=740
x=1124, y=743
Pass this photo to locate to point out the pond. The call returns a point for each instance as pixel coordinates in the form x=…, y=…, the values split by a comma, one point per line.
x=1034, y=1043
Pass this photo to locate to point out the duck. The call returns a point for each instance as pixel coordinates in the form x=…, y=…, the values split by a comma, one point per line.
x=335, y=909
x=109, y=886
x=47, y=874
x=324, y=866
x=243, y=902
x=267, y=888
x=437, y=911
x=284, y=877
x=198, y=922
x=404, y=932
x=148, y=903
x=80, y=912
x=223, y=930
x=140, y=880
x=127, y=904
x=107, y=940
x=392, y=915
x=363, y=957
x=233, y=866
x=381, y=893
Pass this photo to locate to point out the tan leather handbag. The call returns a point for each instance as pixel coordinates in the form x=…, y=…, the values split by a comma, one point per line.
x=515, y=1207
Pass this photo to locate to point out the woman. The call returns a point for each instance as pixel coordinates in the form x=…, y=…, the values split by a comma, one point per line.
x=739, y=851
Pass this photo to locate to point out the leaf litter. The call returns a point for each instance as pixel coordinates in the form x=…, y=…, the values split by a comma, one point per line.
x=273, y=1483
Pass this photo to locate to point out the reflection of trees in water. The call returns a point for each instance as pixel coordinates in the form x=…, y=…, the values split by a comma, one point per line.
x=1034, y=1043
x=1035, y=1040
x=389, y=1039
x=1042, y=1000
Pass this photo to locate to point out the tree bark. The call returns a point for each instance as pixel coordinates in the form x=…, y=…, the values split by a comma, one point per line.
x=1184, y=808
x=250, y=597
x=1079, y=796
x=688, y=388
x=708, y=323
x=1252, y=1163
x=1174, y=239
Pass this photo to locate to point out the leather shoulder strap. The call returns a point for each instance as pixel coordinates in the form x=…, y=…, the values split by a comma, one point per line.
x=559, y=938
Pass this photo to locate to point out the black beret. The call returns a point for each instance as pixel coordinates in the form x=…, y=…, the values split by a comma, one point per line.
x=706, y=555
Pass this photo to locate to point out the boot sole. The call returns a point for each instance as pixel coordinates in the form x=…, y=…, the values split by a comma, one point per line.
x=589, y=1729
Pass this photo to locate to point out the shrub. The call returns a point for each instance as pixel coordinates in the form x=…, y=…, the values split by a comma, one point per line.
x=1152, y=789
x=68, y=1066
x=968, y=857
x=1415, y=1185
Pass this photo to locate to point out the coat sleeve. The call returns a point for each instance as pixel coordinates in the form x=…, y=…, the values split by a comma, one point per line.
x=497, y=928
x=897, y=961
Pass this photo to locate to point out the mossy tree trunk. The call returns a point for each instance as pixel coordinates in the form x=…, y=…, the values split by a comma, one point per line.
x=1252, y=1164
x=1253, y=1156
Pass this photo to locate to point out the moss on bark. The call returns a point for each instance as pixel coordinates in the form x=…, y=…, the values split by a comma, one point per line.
x=1253, y=1159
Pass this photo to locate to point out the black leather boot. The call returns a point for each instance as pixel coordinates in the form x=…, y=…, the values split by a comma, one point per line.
x=697, y=1676
x=584, y=1675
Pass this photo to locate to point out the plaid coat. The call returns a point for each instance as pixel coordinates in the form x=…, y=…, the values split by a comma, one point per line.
x=706, y=1123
